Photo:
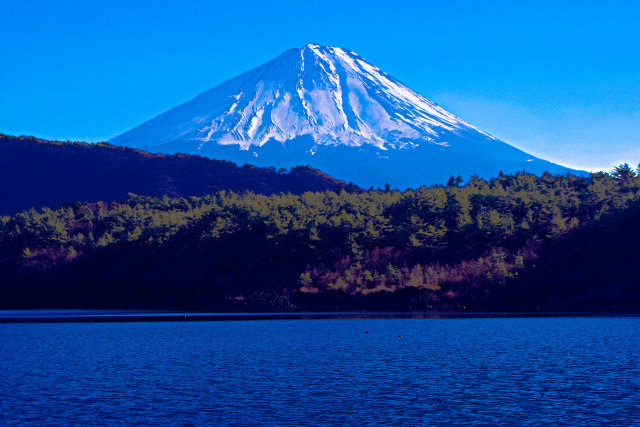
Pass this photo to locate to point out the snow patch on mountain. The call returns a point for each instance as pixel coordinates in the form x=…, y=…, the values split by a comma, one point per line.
x=330, y=108
x=330, y=93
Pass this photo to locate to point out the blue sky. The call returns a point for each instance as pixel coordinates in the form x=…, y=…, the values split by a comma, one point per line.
x=560, y=80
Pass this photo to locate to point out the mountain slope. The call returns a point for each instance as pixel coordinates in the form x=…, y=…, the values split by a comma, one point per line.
x=48, y=173
x=330, y=108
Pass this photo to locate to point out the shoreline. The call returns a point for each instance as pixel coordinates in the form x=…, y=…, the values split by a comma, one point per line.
x=116, y=316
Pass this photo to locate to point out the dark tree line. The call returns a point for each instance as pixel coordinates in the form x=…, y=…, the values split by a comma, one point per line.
x=516, y=242
x=38, y=173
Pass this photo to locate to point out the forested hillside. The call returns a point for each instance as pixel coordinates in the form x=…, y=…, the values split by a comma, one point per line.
x=516, y=242
x=37, y=173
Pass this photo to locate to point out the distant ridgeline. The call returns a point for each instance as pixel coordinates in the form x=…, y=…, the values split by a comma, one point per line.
x=37, y=173
x=514, y=243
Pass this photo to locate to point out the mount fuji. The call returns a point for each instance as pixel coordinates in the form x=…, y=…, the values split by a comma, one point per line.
x=331, y=109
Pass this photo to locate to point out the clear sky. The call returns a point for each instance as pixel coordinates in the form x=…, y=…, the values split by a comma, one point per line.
x=559, y=79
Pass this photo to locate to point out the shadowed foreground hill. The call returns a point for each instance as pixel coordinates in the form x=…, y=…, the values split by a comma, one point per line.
x=592, y=267
x=37, y=173
x=514, y=243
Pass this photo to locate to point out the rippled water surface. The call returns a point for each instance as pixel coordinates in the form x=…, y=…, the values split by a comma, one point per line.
x=490, y=371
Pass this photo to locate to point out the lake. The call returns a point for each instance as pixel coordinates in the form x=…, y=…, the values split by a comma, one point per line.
x=530, y=370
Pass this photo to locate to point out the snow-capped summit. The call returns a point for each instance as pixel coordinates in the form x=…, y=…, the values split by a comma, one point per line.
x=330, y=108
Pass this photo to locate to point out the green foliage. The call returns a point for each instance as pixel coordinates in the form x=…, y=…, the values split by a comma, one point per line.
x=623, y=172
x=446, y=243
